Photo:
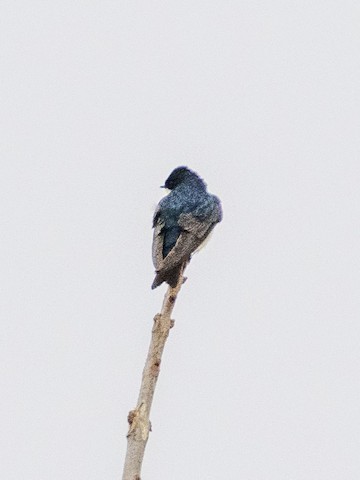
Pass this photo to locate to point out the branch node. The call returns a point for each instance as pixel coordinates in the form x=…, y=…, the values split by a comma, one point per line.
x=131, y=416
x=156, y=367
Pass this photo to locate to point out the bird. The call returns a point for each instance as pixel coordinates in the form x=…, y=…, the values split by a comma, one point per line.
x=182, y=221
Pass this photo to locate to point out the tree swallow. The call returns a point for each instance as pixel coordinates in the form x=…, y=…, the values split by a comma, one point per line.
x=182, y=221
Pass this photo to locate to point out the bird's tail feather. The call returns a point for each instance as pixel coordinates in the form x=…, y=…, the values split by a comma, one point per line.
x=171, y=277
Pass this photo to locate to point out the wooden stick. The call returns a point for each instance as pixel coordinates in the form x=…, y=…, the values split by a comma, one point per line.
x=139, y=417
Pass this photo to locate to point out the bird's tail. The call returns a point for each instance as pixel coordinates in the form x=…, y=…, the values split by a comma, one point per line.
x=171, y=277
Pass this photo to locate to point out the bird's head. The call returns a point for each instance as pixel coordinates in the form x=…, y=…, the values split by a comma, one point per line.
x=178, y=176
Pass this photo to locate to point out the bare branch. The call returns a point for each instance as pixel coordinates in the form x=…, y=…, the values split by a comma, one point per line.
x=139, y=423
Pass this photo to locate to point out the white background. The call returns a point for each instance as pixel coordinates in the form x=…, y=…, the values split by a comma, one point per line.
x=99, y=102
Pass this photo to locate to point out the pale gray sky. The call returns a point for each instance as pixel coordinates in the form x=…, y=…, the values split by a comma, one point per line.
x=99, y=102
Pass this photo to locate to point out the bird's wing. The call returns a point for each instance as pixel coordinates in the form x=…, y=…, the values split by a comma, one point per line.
x=158, y=239
x=199, y=224
x=194, y=231
x=184, y=246
x=192, y=224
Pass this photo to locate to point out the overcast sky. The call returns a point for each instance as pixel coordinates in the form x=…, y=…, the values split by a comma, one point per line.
x=100, y=100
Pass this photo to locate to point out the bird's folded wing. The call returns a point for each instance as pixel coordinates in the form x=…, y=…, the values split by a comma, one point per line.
x=194, y=225
x=158, y=243
x=194, y=232
x=199, y=222
x=183, y=248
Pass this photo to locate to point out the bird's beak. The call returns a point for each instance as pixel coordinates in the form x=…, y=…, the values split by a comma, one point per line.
x=162, y=186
